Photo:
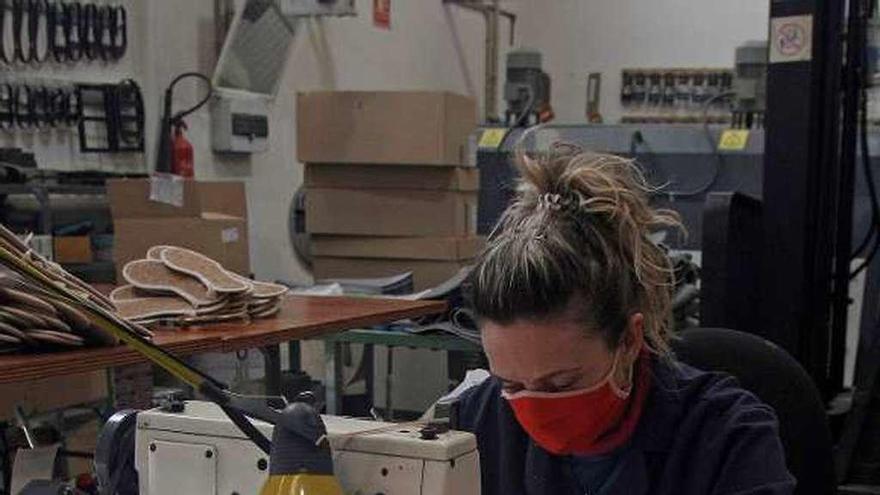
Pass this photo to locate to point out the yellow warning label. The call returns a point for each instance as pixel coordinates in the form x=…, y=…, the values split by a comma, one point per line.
x=492, y=138
x=733, y=140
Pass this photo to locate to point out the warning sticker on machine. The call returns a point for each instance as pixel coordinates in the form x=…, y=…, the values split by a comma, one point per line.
x=733, y=140
x=492, y=138
x=791, y=39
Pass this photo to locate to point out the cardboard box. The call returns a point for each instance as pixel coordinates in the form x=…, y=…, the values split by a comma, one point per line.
x=51, y=394
x=388, y=127
x=410, y=248
x=383, y=200
x=130, y=198
x=432, y=260
x=72, y=249
x=426, y=273
x=212, y=220
x=391, y=212
x=415, y=177
x=218, y=237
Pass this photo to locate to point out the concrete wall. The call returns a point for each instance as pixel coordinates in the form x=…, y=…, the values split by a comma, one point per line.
x=578, y=37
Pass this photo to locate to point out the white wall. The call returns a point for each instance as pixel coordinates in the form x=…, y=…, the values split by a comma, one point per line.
x=578, y=37
x=429, y=47
x=59, y=149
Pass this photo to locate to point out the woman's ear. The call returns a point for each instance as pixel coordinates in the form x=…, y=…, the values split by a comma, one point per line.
x=634, y=337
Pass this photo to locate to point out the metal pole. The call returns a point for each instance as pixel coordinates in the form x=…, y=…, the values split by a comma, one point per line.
x=491, y=89
x=389, y=378
x=853, y=75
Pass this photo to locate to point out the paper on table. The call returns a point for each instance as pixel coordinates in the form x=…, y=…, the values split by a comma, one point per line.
x=167, y=188
x=471, y=379
x=33, y=464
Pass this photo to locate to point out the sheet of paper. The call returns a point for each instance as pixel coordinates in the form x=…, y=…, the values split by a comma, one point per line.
x=33, y=464
x=167, y=188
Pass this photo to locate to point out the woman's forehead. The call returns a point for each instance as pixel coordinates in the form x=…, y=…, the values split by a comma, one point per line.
x=525, y=349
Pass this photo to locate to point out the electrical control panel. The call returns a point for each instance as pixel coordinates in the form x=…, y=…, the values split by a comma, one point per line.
x=239, y=122
x=675, y=95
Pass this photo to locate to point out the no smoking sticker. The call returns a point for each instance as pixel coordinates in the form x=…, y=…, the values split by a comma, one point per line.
x=791, y=39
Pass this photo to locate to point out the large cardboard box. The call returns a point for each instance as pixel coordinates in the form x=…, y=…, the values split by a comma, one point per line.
x=51, y=394
x=391, y=212
x=411, y=248
x=73, y=249
x=383, y=200
x=416, y=177
x=432, y=260
x=389, y=127
x=211, y=220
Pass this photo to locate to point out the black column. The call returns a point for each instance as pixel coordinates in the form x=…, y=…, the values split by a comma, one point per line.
x=801, y=178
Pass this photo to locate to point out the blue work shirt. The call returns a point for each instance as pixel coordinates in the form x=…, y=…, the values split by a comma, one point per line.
x=700, y=434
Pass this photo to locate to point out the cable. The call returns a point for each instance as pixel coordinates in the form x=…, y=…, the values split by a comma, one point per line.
x=186, y=75
x=88, y=18
x=719, y=159
x=529, y=108
x=54, y=24
x=37, y=16
x=7, y=107
x=117, y=18
x=18, y=8
x=874, y=231
x=4, y=56
x=71, y=18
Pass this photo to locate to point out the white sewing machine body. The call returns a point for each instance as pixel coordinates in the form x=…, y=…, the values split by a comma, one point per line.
x=199, y=451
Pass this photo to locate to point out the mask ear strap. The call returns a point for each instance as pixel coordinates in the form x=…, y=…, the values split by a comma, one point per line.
x=622, y=393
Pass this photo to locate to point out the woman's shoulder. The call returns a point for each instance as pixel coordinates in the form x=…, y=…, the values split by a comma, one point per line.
x=711, y=398
x=707, y=421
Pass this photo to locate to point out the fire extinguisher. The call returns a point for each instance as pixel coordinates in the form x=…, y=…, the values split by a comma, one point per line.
x=176, y=154
x=182, y=152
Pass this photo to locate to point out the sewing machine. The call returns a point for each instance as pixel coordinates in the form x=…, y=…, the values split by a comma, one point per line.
x=199, y=451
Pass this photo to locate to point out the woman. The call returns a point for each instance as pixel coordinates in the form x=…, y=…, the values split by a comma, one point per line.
x=585, y=397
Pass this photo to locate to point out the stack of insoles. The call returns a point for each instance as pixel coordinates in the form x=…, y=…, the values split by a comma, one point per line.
x=44, y=307
x=177, y=286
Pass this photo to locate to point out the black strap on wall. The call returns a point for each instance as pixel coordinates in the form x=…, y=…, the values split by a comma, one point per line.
x=38, y=30
x=18, y=22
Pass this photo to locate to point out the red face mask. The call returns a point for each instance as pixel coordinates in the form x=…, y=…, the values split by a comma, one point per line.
x=590, y=421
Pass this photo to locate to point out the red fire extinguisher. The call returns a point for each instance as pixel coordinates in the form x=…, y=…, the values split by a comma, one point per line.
x=182, y=152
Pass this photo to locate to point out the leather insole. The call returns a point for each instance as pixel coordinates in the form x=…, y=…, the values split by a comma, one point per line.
x=17, y=297
x=58, y=338
x=262, y=289
x=211, y=273
x=155, y=252
x=154, y=275
x=149, y=307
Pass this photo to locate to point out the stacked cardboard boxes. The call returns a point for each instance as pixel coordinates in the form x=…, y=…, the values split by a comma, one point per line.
x=388, y=188
x=208, y=217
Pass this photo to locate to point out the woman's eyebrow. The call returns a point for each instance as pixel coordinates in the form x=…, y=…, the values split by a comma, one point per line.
x=544, y=377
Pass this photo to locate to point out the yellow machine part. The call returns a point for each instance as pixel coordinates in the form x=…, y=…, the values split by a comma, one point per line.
x=301, y=484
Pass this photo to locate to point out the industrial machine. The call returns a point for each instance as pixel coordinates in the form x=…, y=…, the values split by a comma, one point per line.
x=750, y=84
x=194, y=448
x=527, y=90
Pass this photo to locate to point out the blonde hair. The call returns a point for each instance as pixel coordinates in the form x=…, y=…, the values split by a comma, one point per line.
x=576, y=236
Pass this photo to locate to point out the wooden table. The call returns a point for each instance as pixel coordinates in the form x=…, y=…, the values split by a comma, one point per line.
x=301, y=317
